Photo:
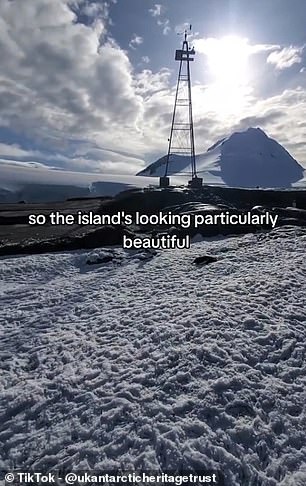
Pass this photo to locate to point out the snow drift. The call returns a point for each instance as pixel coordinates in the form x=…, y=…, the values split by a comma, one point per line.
x=245, y=159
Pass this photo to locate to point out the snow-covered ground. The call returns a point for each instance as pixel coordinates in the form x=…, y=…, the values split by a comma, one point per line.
x=158, y=364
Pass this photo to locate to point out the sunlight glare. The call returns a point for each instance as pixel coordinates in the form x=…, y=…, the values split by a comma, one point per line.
x=228, y=66
x=228, y=59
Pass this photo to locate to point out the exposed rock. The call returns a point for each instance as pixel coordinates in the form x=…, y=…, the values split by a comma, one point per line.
x=17, y=237
x=205, y=260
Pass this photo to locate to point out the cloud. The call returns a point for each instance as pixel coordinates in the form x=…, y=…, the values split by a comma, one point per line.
x=92, y=10
x=61, y=78
x=27, y=164
x=258, y=48
x=136, y=41
x=86, y=157
x=14, y=150
x=286, y=57
x=263, y=120
x=145, y=59
x=165, y=24
x=282, y=116
x=157, y=10
x=63, y=81
x=205, y=44
x=67, y=86
x=147, y=82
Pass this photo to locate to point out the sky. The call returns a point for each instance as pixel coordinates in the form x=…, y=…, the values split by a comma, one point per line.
x=89, y=85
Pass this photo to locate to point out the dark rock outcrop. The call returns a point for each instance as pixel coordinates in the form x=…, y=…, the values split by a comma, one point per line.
x=204, y=260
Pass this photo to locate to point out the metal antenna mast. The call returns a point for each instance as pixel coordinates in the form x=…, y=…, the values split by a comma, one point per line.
x=181, y=141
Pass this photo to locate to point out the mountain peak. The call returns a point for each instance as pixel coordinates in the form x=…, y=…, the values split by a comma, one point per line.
x=250, y=134
x=248, y=158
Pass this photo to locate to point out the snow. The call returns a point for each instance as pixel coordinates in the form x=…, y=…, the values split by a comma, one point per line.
x=245, y=159
x=154, y=363
x=37, y=184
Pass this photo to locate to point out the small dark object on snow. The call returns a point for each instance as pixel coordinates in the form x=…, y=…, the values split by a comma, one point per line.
x=204, y=260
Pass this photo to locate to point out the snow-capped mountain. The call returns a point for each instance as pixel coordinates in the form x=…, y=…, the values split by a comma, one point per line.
x=244, y=159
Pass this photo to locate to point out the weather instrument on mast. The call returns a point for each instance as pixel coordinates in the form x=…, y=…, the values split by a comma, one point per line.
x=181, y=141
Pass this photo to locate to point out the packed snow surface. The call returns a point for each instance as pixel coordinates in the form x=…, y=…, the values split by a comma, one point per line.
x=245, y=159
x=156, y=364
